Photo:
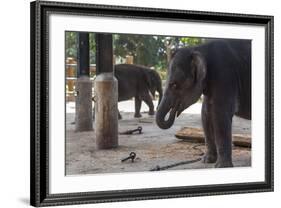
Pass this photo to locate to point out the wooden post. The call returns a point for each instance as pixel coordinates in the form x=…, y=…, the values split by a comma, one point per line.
x=83, y=117
x=106, y=95
x=129, y=59
x=70, y=73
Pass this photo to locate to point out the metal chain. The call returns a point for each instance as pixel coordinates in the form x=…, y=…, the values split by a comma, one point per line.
x=158, y=168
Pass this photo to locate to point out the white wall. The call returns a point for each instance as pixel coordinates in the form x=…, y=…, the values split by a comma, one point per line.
x=14, y=104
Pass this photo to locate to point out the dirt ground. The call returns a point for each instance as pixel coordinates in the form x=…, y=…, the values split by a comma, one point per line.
x=154, y=147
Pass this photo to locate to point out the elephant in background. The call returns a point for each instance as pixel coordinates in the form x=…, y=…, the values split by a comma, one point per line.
x=221, y=71
x=138, y=82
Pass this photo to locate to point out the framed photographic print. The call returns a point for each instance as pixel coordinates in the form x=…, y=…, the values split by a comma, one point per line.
x=131, y=103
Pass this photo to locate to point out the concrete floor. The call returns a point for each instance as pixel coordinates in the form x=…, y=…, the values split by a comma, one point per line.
x=154, y=147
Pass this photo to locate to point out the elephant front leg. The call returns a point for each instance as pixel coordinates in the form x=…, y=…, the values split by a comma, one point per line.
x=147, y=99
x=211, y=152
x=137, y=107
x=222, y=121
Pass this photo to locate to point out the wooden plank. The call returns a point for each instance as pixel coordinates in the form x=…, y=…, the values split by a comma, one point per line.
x=196, y=135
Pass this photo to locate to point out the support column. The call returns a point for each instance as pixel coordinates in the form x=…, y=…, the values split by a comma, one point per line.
x=106, y=95
x=83, y=117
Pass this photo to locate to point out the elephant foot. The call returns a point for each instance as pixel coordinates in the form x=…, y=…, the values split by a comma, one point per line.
x=151, y=113
x=137, y=115
x=209, y=158
x=224, y=164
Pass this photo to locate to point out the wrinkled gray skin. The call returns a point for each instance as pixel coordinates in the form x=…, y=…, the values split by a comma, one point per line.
x=138, y=82
x=221, y=71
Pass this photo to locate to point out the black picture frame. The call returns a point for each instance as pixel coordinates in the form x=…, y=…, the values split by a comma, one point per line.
x=39, y=156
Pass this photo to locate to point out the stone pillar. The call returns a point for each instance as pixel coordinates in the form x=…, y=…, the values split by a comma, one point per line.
x=83, y=87
x=106, y=111
x=106, y=95
x=83, y=118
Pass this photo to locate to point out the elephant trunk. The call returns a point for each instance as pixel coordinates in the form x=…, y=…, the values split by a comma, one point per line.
x=164, y=108
x=160, y=91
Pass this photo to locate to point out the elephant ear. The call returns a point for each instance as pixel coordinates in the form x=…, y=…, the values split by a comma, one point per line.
x=198, y=66
x=173, y=52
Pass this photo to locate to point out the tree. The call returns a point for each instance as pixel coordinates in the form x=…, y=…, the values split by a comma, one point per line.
x=72, y=44
x=143, y=48
x=148, y=50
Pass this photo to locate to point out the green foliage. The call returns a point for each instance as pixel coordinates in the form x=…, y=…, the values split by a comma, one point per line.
x=191, y=41
x=92, y=46
x=144, y=49
x=147, y=50
x=162, y=74
x=150, y=50
x=72, y=45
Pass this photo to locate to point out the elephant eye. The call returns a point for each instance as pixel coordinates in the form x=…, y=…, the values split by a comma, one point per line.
x=173, y=86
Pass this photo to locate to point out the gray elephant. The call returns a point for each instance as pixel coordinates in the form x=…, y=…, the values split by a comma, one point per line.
x=138, y=82
x=221, y=71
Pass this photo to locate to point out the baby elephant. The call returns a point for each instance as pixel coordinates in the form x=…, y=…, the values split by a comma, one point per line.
x=138, y=82
x=221, y=71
